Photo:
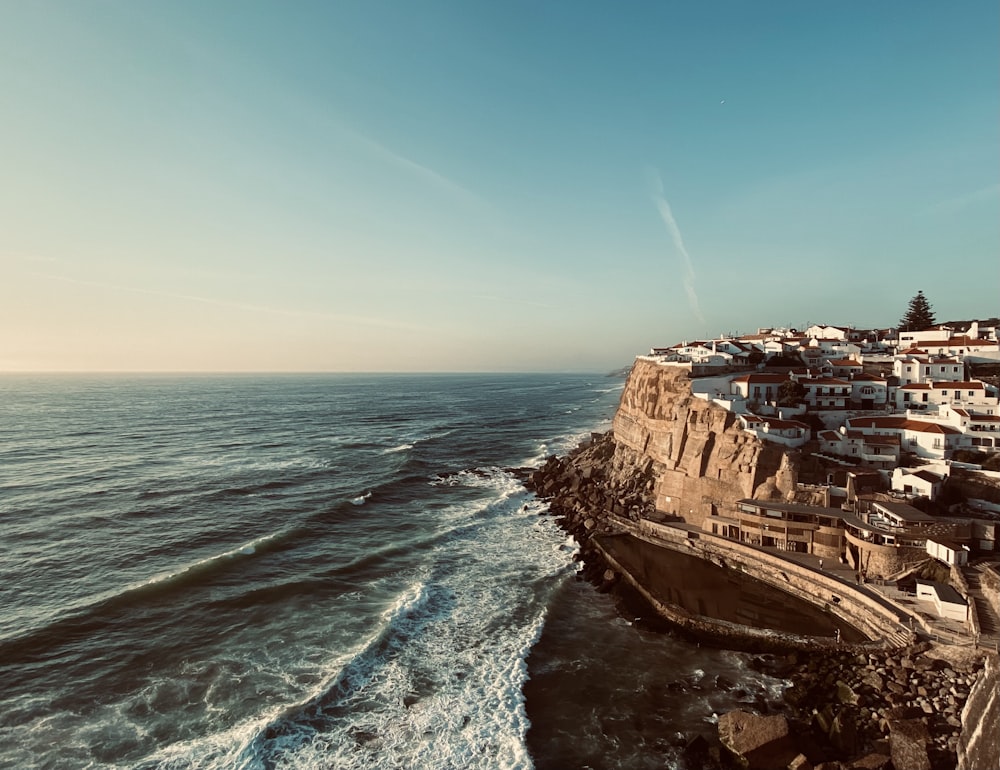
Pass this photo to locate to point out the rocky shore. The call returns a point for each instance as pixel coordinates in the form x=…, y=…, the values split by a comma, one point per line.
x=844, y=709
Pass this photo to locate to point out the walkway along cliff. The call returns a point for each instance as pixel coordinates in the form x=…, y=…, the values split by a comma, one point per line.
x=671, y=467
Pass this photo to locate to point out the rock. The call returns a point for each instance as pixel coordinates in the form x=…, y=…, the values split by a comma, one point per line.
x=695, y=752
x=845, y=694
x=873, y=761
x=873, y=680
x=758, y=743
x=844, y=733
x=908, y=740
x=800, y=762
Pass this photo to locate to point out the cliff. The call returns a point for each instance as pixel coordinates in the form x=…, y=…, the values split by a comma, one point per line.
x=702, y=462
x=670, y=454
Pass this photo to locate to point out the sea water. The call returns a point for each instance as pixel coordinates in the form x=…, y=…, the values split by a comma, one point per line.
x=323, y=571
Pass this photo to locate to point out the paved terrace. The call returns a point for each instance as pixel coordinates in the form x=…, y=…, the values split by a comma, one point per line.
x=919, y=616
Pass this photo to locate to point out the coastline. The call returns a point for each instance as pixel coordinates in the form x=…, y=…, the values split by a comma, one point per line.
x=845, y=703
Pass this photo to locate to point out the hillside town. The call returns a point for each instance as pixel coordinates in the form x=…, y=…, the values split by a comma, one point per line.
x=898, y=435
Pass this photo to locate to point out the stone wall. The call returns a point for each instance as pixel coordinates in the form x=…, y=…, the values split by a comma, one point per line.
x=978, y=745
x=881, y=561
x=990, y=586
x=877, y=621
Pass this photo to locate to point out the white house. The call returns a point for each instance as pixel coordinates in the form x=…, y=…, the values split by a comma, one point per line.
x=947, y=601
x=828, y=332
x=923, y=438
x=918, y=482
x=869, y=391
x=956, y=346
x=948, y=551
x=880, y=451
x=827, y=392
x=933, y=395
x=914, y=366
x=759, y=386
x=843, y=367
x=788, y=432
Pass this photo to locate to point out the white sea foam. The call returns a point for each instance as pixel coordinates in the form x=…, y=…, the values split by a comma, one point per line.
x=442, y=686
x=362, y=499
x=397, y=449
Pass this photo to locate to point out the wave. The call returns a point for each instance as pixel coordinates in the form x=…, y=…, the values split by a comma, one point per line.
x=397, y=449
x=89, y=617
x=361, y=499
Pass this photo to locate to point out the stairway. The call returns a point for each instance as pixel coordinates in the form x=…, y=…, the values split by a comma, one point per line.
x=989, y=623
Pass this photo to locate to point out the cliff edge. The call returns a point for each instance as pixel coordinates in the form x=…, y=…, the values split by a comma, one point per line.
x=702, y=461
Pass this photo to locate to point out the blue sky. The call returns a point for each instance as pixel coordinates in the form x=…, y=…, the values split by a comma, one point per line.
x=472, y=186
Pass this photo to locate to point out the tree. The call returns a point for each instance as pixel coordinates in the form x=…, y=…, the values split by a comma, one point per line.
x=791, y=393
x=919, y=315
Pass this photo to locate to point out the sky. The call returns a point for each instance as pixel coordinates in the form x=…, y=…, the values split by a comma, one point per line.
x=455, y=185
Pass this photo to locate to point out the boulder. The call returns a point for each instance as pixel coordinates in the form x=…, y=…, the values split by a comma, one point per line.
x=757, y=743
x=908, y=740
x=873, y=761
x=844, y=733
x=844, y=692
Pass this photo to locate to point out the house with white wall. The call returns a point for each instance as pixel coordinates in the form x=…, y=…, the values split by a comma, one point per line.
x=828, y=332
x=869, y=391
x=948, y=603
x=923, y=438
x=916, y=365
x=761, y=387
x=933, y=395
x=919, y=482
x=791, y=433
x=880, y=451
x=826, y=392
x=843, y=367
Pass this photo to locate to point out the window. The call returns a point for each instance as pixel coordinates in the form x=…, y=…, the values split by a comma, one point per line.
x=944, y=392
x=971, y=393
x=955, y=369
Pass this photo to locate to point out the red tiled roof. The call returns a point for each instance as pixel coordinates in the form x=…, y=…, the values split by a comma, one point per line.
x=900, y=423
x=763, y=379
x=974, y=385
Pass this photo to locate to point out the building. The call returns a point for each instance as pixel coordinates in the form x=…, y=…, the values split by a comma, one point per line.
x=791, y=433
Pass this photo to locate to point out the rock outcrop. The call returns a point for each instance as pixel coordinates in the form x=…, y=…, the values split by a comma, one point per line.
x=703, y=461
x=757, y=742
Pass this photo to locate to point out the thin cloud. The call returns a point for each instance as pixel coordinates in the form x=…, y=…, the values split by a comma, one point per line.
x=419, y=170
x=243, y=306
x=663, y=207
x=959, y=202
x=514, y=301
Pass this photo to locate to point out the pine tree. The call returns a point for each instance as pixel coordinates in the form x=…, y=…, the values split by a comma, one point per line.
x=918, y=316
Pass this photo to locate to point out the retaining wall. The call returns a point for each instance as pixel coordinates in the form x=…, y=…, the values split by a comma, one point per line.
x=877, y=621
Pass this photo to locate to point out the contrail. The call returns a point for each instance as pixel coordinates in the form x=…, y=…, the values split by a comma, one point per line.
x=675, y=232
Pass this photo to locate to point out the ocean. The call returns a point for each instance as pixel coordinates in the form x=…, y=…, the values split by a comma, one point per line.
x=320, y=571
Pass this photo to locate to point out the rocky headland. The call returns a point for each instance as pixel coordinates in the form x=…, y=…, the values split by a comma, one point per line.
x=670, y=456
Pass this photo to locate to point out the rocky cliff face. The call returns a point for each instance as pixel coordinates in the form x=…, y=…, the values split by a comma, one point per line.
x=701, y=460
